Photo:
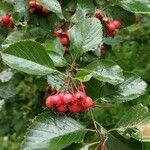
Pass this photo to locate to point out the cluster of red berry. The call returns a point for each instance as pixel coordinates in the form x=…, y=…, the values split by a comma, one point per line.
x=74, y=102
x=7, y=21
x=36, y=7
x=63, y=37
x=111, y=25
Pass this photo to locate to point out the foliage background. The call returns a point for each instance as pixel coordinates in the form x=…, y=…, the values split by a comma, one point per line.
x=131, y=52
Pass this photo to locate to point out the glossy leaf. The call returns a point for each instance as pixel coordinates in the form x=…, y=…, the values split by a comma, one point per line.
x=134, y=120
x=83, y=75
x=53, y=132
x=58, y=60
x=13, y=37
x=130, y=89
x=136, y=6
x=56, y=81
x=106, y=71
x=85, y=36
x=29, y=57
x=53, y=6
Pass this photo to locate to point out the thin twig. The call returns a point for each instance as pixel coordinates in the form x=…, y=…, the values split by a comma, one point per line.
x=103, y=106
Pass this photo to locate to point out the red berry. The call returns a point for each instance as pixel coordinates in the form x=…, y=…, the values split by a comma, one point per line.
x=65, y=41
x=45, y=11
x=58, y=98
x=5, y=19
x=50, y=102
x=67, y=98
x=88, y=103
x=32, y=4
x=111, y=27
x=38, y=6
x=59, y=33
x=11, y=25
x=75, y=108
x=117, y=24
x=62, y=109
x=79, y=95
x=99, y=14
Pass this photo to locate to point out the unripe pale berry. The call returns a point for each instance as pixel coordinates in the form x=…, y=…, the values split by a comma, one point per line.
x=88, y=102
x=117, y=24
x=75, y=108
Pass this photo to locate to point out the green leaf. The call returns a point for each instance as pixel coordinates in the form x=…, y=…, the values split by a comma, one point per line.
x=53, y=132
x=85, y=36
x=53, y=6
x=145, y=146
x=13, y=37
x=6, y=75
x=58, y=60
x=135, y=123
x=83, y=75
x=106, y=71
x=79, y=15
x=57, y=81
x=136, y=6
x=130, y=89
x=118, y=13
x=112, y=41
x=5, y=8
x=21, y=10
x=7, y=90
x=1, y=103
x=29, y=57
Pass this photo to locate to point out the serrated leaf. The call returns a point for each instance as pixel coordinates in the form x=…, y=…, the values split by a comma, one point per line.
x=6, y=75
x=53, y=132
x=7, y=90
x=52, y=5
x=56, y=81
x=136, y=6
x=133, y=123
x=29, y=57
x=79, y=15
x=85, y=36
x=130, y=89
x=106, y=71
x=13, y=37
